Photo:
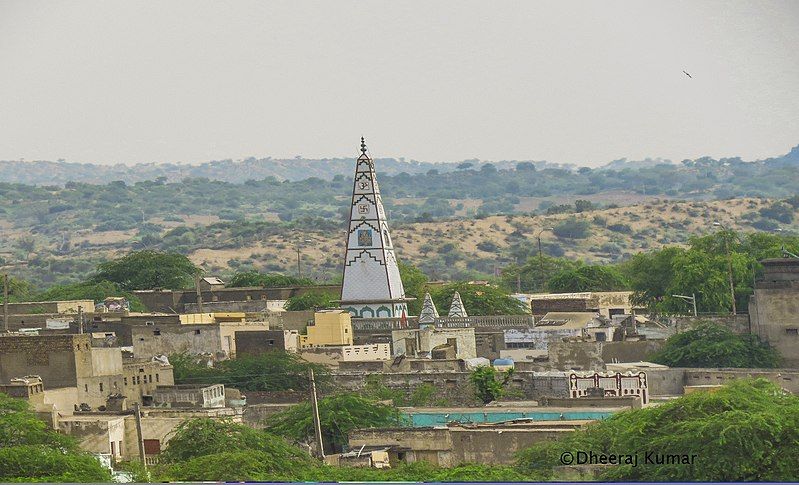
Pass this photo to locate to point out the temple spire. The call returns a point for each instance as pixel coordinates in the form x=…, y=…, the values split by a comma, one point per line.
x=372, y=287
x=456, y=309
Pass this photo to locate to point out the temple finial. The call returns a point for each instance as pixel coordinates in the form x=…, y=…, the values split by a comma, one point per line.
x=363, y=146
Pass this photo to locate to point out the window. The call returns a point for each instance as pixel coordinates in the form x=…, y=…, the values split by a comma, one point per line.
x=792, y=331
x=86, y=387
x=156, y=332
x=346, y=330
x=149, y=322
x=151, y=379
x=197, y=332
x=101, y=387
x=157, y=379
x=125, y=380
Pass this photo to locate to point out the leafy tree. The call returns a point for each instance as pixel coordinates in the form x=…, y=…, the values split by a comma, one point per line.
x=713, y=345
x=535, y=272
x=572, y=228
x=96, y=291
x=32, y=451
x=744, y=432
x=18, y=289
x=413, y=281
x=209, y=449
x=488, y=383
x=147, y=270
x=651, y=275
x=587, y=278
x=254, y=278
x=582, y=205
x=312, y=300
x=477, y=299
x=339, y=414
x=269, y=371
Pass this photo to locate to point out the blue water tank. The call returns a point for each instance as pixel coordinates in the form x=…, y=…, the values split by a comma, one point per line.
x=503, y=362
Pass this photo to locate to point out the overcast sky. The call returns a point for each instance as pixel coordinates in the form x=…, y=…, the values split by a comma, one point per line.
x=191, y=81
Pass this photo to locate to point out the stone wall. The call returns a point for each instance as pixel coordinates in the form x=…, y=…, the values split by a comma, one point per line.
x=52, y=357
x=168, y=339
x=594, y=355
x=175, y=300
x=737, y=323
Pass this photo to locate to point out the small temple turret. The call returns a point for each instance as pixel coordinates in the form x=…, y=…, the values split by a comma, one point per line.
x=429, y=312
x=456, y=309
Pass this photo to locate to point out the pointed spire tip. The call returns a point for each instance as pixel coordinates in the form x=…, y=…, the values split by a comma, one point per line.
x=363, y=146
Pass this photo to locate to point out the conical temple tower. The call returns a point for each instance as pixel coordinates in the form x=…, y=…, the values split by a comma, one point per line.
x=456, y=309
x=372, y=286
x=429, y=313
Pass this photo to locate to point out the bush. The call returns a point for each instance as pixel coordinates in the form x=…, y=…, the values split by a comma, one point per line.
x=572, y=228
x=712, y=345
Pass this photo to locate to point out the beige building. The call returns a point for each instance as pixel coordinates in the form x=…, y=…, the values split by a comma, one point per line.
x=50, y=307
x=774, y=308
x=330, y=328
x=436, y=343
x=198, y=333
x=606, y=303
x=74, y=373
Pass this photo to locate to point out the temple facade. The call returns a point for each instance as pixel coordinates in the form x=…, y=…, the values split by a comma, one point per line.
x=372, y=287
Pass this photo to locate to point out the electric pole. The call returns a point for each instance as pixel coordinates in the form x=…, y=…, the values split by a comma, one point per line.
x=139, y=436
x=5, y=302
x=317, y=424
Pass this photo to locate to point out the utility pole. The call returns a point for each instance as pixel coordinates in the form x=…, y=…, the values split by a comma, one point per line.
x=519, y=281
x=80, y=319
x=317, y=424
x=729, y=262
x=5, y=302
x=541, y=255
x=691, y=298
x=199, y=293
x=299, y=271
x=139, y=436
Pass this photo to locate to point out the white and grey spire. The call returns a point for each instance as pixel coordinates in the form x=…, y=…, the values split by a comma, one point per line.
x=429, y=312
x=372, y=286
x=456, y=309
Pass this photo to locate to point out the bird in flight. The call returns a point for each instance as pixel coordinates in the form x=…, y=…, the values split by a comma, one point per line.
x=686, y=73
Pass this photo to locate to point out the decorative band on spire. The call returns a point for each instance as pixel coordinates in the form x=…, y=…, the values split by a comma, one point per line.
x=363, y=146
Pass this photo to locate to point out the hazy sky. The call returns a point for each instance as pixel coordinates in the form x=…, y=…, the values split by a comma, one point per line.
x=190, y=81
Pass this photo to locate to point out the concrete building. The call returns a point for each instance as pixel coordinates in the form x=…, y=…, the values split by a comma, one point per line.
x=606, y=303
x=366, y=353
x=49, y=307
x=436, y=343
x=175, y=301
x=330, y=328
x=454, y=444
x=190, y=396
x=213, y=334
x=774, y=308
x=260, y=341
x=74, y=373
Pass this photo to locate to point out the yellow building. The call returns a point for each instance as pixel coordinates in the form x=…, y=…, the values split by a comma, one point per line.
x=330, y=327
x=201, y=318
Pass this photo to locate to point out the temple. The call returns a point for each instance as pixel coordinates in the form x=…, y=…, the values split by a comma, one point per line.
x=372, y=287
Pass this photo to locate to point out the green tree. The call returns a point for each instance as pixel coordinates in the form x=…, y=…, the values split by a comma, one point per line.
x=745, y=432
x=210, y=449
x=587, y=278
x=534, y=273
x=32, y=451
x=339, y=414
x=312, y=300
x=414, y=282
x=651, y=275
x=489, y=385
x=269, y=371
x=478, y=299
x=147, y=270
x=712, y=345
x=18, y=289
x=271, y=280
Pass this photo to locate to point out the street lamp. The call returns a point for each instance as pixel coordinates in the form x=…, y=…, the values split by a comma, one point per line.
x=299, y=247
x=541, y=254
x=691, y=298
x=729, y=264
